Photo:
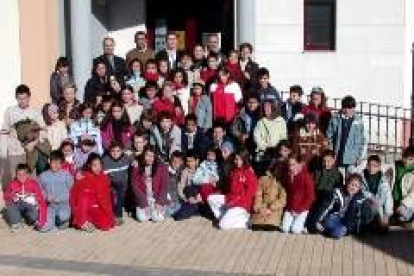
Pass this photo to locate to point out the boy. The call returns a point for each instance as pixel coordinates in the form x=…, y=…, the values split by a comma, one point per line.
x=116, y=165
x=292, y=106
x=174, y=170
x=220, y=139
x=346, y=135
x=24, y=200
x=265, y=89
x=345, y=211
x=192, y=137
x=56, y=184
x=403, y=186
x=377, y=189
x=329, y=177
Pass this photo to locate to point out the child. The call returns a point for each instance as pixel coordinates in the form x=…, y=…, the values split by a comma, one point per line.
x=300, y=196
x=68, y=149
x=116, y=166
x=403, y=186
x=346, y=135
x=149, y=94
x=345, y=211
x=193, y=137
x=90, y=198
x=280, y=165
x=24, y=200
x=292, y=106
x=376, y=188
x=181, y=89
x=232, y=210
x=56, y=130
x=269, y=202
x=200, y=105
x=169, y=103
x=86, y=146
x=56, y=184
x=175, y=169
x=265, y=89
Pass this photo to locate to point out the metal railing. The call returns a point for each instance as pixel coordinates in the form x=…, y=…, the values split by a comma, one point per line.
x=387, y=127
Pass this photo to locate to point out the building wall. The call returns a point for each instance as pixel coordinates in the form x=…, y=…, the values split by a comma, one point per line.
x=369, y=61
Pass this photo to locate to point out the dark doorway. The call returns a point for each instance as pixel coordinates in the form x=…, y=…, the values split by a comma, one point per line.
x=193, y=18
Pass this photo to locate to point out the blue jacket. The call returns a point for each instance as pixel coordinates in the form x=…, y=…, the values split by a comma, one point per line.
x=270, y=93
x=204, y=112
x=356, y=144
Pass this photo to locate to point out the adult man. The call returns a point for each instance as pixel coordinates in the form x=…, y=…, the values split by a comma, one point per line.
x=171, y=53
x=115, y=66
x=141, y=51
x=214, y=47
x=13, y=152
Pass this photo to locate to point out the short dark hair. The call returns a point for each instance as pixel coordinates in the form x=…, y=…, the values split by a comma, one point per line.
x=23, y=89
x=164, y=115
x=296, y=89
x=191, y=117
x=66, y=143
x=171, y=33
x=353, y=176
x=246, y=45
x=23, y=167
x=177, y=154
x=219, y=124
x=348, y=102
x=374, y=158
x=115, y=144
x=192, y=154
x=408, y=152
x=139, y=33
x=61, y=62
x=56, y=155
x=328, y=152
x=262, y=72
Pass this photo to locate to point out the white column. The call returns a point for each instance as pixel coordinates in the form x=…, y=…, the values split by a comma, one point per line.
x=81, y=12
x=246, y=21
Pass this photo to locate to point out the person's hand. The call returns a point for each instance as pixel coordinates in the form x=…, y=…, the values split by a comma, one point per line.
x=247, y=75
x=384, y=222
x=30, y=146
x=319, y=227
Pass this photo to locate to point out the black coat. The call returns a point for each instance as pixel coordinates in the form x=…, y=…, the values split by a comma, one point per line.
x=56, y=89
x=200, y=142
x=163, y=55
x=120, y=70
x=93, y=88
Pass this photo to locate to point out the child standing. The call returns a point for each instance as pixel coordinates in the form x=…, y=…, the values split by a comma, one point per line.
x=56, y=184
x=116, y=166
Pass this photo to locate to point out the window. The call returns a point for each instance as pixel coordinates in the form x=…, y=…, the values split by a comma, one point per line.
x=320, y=21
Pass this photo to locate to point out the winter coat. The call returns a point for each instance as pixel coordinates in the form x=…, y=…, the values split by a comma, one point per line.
x=407, y=187
x=173, y=143
x=83, y=126
x=300, y=192
x=242, y=188
x=271, y=195
x=270, y=94
x=323, y=114
x=308, y=145
x=204, y=112
x=268, y=133
x=225, y=98
x=165, y=105
x=199, y=144
x=107, y=134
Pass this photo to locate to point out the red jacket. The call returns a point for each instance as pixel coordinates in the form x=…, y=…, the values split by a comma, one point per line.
x=323, y=114
x=91, y=201
x=300, y=192
x=224, y=99
x=159, y=185
x=208, y=75
x=165, y=105
x=242, y=189
x=29, y=187
x=235, y=72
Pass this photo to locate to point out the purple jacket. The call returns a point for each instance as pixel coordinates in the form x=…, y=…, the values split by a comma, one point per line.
x=108, y=136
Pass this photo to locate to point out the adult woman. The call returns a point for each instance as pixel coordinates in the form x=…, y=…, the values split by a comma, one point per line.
x=97, y=85
x=180, y=87
x=90, y=198
x=116, y=126
x=150, y=184
x=68, y=106
x=233, y=209
x=133, y=108
x=56, y=130
x=59, y=78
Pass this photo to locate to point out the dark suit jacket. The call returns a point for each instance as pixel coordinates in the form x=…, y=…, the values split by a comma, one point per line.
x=120, y=70
x=163, y=55
x=200, y=142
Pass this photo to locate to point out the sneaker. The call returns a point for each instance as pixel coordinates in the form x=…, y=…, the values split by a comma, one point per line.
x=88, y=227
x=119, y=221
x=14, y=228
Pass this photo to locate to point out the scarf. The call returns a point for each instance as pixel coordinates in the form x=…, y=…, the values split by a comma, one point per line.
x=400, y=171
x=151, y=76
x=373, y=181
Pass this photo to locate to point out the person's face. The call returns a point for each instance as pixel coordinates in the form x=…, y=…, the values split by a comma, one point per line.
x=191, y=126
x=294, y=97
x=127, y=96
x=234, y=58
x=167, y=92
x=267, y=108
x=151, y=68
x=245, y=53
x=316, y=99
x=213, y=43
x=67, y=151
x=353, y=187
x=191, y=163
x=106, y=106
x=328, y=162
x=146, y=124
x=212, y=63
x=198, y=52
x=177, y=162
x=197, y=90
x=373, y=167
x=136, y=67
x=163, y=67
x=101, y=70
x=166, y=124
x=86, y=148
x=238, y=161
x=139, y=143
x=96, y=166
x=186, y=62
x=311, y=126
x=264, y=81
x=294, y=166
x=218, y=134
x=87, y=113
x=115, y=85
x=285, y=152
x=178, y=77
x=224, y=77
x=151, y=92
x=211, y=156
x=409, y=161
x=116, y=153
x=348, y=111
x=171, y=42
x=22, y=176
x=149, y=158
x=55, y=165
x=69, y=95
x=252, y=104
x=53, y=115
x=23, y=100
x=117, y=112
x=64, y=70
x=109, y=47
x=141, y=41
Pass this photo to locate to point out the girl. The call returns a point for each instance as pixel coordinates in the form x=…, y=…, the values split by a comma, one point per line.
x=149, y=94
x=68, y=105
x=233, y=209
x=280, y=165
x=56, y=131
x=84, y=126
x=59, y=79
x=132, y=107
x=225, y=94
x=150, y=182
x=163, y=70
x=103, y=108
x=68, y=150
x=115, y=87
x=90, y=198
x=300, y=196
x=116, y=126
x=147, y=122
x=97, y=85
x=200, y=105
x=181, y=91
x=135, y=78
x=169, y=103
x=234, y=68
x=317, y=105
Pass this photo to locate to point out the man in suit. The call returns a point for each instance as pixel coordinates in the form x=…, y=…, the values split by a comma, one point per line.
x=192, y=137
x=171, y=53
x=115, y=66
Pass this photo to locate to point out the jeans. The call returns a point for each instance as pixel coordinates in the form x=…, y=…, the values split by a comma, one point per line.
x=16, y=211
x=229, y=218
x=334, y=227
x=119, y=190
x=57, y=214
x=294, y=222
x=173, y=208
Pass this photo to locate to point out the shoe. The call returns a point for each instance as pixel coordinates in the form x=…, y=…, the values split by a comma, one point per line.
x=14, y=228
x=63, y=225
x=88, y=227
x=119, y=221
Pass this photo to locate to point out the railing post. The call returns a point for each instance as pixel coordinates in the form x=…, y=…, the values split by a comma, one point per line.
x=412, y=99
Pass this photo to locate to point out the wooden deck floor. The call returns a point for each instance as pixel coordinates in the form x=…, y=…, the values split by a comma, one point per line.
x=194, y=247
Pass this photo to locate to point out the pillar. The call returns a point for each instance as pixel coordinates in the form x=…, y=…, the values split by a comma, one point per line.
x=246, y=21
